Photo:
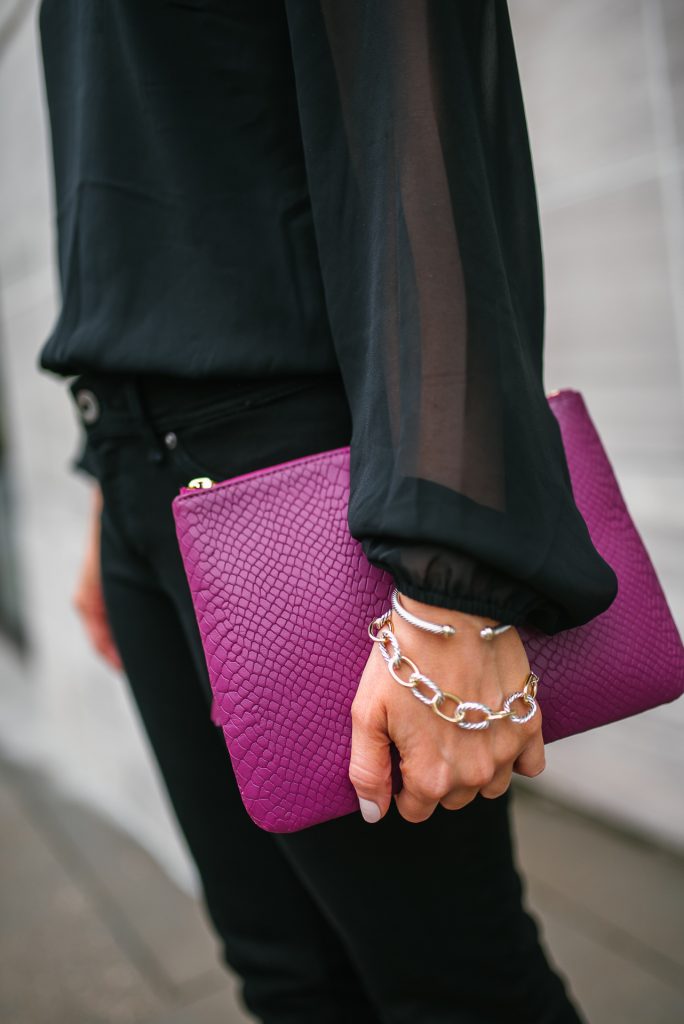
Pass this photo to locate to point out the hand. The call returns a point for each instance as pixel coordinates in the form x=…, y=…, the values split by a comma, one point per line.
x=440, y=763
x=87, y=599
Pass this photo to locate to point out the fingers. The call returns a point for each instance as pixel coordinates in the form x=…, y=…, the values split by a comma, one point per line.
x=532, y=760
x=476, y=774
x=451, y=783
x=370, y=766
x=94, y=617
x=484, y=772
x=101, y=638
x=416, y=806
x=500, y=782
x=88, y=599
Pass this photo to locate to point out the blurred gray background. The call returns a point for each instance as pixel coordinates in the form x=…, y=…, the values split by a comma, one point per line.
x=98, y=914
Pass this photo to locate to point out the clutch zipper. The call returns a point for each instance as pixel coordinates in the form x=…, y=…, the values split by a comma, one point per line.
x=200, y=483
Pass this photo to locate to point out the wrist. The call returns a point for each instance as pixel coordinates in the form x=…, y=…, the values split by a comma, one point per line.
x=459, y=620
x=483, y=603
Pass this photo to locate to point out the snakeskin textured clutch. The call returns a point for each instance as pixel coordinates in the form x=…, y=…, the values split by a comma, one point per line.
x=270, y=562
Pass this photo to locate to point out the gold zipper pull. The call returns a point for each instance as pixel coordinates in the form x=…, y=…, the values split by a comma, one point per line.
x=201, y=482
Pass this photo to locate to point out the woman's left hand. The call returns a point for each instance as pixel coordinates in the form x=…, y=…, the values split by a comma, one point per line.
x=441, y=763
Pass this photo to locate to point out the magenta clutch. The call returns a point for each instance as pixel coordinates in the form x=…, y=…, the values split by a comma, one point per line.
x=270, y=562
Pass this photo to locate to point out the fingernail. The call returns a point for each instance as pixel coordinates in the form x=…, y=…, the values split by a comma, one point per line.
x=369, y=811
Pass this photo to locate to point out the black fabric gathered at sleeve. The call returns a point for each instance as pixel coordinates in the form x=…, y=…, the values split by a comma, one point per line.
x=426, y=220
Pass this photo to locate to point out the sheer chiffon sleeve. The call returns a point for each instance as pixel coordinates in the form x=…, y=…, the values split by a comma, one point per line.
x=424, y=208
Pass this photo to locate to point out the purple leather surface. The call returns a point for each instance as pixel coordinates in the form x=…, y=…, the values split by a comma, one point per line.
x=273, y=571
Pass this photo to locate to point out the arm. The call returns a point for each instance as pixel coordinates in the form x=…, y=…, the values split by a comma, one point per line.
x=425, y=213
x=82, y=461
x=87, y=599
x=426, y=221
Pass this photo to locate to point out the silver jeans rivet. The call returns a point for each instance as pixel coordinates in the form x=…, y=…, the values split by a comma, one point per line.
x=170, y=439
x=88, y=404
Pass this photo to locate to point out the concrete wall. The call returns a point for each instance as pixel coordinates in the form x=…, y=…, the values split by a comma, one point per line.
x=603, y=84
x=61, y=706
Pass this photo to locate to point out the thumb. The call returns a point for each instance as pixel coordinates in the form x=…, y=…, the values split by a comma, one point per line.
x=370, y=766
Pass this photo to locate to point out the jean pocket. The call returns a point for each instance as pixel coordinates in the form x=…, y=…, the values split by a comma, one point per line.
x=203, y=449
x=268, y=429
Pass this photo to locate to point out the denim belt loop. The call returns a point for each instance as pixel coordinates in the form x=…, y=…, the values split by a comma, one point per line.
x=155, y=451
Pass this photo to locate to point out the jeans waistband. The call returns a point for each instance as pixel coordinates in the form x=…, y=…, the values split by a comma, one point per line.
x=149, y=404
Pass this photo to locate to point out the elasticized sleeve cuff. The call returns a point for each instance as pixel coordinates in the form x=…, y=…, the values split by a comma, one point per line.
x=456, y=580
x=514, y=613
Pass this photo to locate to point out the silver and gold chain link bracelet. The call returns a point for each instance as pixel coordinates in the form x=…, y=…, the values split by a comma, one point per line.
x=380, y=631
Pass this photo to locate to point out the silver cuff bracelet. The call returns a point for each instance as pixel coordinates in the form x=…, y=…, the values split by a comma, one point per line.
x=487, y=633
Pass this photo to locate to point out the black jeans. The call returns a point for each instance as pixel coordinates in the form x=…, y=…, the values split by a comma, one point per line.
x=344, y=922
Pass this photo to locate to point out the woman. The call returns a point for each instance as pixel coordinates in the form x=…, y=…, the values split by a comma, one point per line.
x=285, y=227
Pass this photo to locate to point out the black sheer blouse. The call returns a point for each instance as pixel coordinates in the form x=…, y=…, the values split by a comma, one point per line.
x=252, y=188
